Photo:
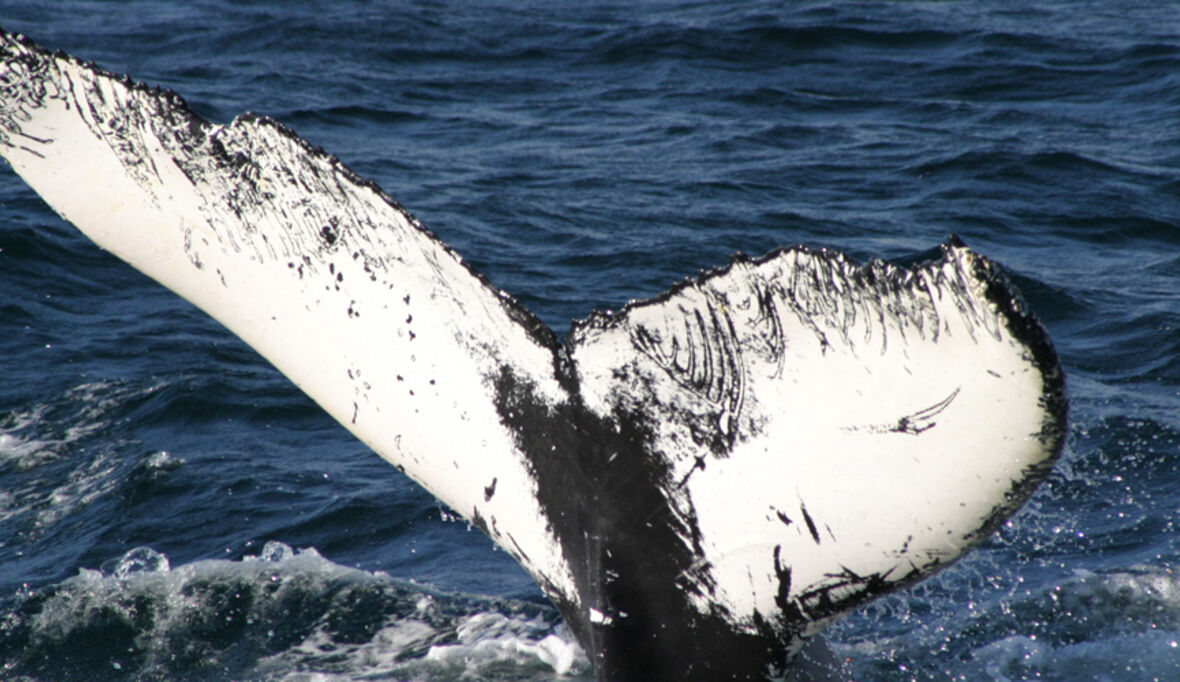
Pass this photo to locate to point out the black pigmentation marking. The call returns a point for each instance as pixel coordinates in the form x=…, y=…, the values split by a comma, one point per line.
x=811, y=527
x=489, y=491
x=641, y=570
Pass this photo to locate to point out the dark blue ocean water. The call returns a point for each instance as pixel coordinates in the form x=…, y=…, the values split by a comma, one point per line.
x=172, y=508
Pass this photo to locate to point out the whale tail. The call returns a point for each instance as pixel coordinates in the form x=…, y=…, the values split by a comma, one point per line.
x=699, y=481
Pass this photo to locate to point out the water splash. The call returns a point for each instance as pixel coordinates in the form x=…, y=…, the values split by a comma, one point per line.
x=284, y=614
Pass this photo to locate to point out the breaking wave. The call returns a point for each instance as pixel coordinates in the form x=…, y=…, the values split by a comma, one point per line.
x=280, y=615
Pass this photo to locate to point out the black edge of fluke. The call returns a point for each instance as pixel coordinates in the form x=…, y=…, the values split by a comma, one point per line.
x=1023, y=324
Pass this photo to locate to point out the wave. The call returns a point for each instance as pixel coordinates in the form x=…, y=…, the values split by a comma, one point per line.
x=45, y=483
x=279, y=615
x=1079, y=626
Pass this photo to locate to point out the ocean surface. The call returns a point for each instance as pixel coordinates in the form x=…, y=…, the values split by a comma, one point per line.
x=172, y=508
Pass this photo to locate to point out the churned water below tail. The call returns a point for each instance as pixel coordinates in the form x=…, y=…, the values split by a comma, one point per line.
x=280, y=615
x=172, y=508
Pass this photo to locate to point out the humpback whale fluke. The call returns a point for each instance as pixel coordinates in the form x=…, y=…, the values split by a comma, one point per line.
x=699, y=481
